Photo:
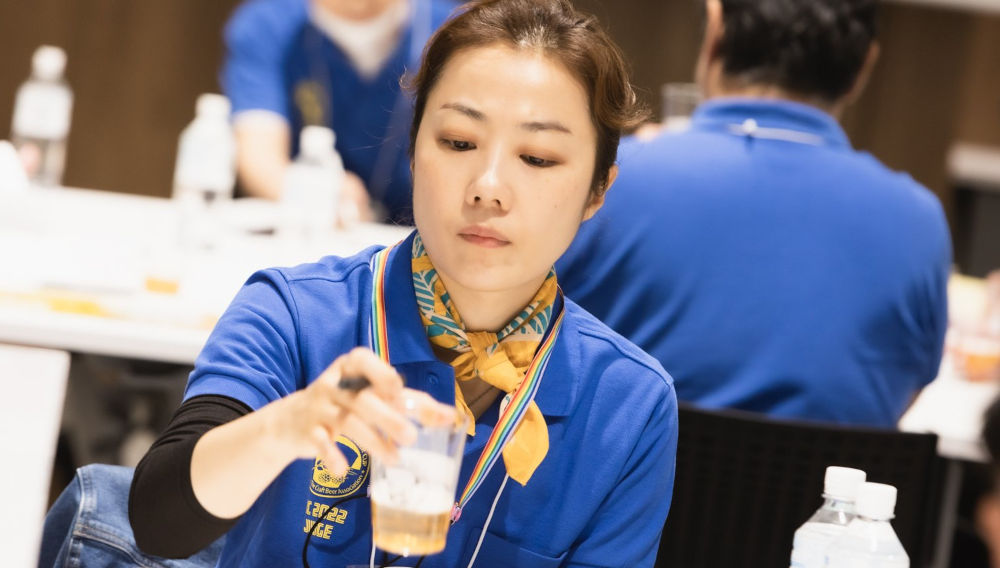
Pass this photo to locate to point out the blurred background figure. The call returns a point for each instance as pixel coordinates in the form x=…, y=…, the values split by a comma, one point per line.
x=768, y=265
x=332, y=63
x=974, y=332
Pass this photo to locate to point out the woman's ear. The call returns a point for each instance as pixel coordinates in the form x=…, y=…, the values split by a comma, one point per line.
x=597, y=199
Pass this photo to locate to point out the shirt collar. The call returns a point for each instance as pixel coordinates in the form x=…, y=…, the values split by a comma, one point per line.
x=408, y=340
x=721, y=114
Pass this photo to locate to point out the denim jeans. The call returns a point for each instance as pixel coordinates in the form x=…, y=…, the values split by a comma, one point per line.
x=88, y=526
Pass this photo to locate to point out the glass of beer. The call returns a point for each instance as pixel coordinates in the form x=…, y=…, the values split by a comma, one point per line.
x=413, y=497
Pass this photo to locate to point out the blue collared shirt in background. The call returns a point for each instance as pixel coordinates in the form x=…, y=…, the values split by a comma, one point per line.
x=769, y=266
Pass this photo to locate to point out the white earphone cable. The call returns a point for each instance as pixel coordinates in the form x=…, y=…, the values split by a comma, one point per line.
x=488, y=519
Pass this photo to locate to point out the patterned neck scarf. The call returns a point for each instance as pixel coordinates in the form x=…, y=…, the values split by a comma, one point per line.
x=500, y=359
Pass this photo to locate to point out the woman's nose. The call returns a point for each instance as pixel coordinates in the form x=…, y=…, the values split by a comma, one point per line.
x=488, y=188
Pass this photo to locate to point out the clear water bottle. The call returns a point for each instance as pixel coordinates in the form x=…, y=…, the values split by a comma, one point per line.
x=840, y=489
x=206, y=154
x=205, y=170
x=869, y=541
x=42, y=111
x=312, y=185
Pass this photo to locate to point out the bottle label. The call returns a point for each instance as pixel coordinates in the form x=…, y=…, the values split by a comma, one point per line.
x=42, y=111
x=204, y=167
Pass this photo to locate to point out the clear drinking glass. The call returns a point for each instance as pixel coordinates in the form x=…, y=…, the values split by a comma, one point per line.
x=412, y=499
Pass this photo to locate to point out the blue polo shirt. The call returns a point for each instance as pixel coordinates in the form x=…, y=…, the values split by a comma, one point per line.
x=769, y=266
x=599, y=498
x=277, y=60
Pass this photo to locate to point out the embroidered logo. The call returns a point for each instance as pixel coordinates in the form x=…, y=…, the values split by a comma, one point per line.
x=324, y=483
x=310, y=100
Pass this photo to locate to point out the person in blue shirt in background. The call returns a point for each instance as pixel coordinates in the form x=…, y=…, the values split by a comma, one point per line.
x=333, y=63
x=768, y=265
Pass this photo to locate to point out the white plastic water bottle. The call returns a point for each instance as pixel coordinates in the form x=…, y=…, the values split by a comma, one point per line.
x=312, y=185
x=205, y=170
x=869, y=541
x=840, y=489
x=206, y=154
x=42, y=111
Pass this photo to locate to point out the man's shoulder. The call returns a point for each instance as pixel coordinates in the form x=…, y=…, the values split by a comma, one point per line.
x=896, y=195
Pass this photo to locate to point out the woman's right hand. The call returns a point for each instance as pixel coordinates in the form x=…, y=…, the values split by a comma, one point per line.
x=233, y=463
x=307, y=422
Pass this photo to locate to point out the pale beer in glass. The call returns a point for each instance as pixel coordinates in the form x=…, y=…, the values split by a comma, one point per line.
x=412, y=499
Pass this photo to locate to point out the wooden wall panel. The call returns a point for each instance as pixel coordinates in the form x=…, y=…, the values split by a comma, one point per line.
x=660, y=38
x=979, y=107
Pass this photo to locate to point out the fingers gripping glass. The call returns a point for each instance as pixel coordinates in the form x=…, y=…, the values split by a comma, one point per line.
x=412, y=497
x=405, y=495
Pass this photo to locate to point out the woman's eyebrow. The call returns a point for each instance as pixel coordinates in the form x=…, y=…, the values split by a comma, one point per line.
x=466, y=110
x=533, y=126
x=554, y=125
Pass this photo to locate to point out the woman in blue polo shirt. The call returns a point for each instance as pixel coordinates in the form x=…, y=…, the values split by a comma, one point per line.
x=519, y=109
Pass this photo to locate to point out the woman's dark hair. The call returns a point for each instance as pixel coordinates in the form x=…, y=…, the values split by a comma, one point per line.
x=557, y=29
x=808, y=47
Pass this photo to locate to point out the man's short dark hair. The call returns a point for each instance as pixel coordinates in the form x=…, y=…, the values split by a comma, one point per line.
x=812, y=48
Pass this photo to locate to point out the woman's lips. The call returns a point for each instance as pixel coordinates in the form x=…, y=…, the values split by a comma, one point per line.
x=488, y=242
x=483, y=236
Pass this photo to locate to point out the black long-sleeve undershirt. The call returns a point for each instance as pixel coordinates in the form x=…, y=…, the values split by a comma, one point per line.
x=167, y=519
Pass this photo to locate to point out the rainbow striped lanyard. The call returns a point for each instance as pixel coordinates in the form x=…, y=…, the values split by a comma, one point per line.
x=514, y=406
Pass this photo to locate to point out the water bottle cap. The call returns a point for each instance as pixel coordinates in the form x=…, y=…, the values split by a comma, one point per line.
x=876, y=501
x=316, y=141
x=212, y=105
x=48, y=62
x=843, y=483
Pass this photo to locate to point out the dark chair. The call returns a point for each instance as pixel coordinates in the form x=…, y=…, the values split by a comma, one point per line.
x=745, y=482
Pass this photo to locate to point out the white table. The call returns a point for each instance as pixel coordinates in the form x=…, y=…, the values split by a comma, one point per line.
x=30, y=411
x=74, y=266
x=975, y=164
x=952, y=408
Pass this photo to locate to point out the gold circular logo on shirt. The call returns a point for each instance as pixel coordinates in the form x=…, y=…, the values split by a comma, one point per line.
x=325, y=483
x=310, y=97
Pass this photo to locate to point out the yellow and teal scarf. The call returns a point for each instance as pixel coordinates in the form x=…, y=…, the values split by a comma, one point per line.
x=503, y=359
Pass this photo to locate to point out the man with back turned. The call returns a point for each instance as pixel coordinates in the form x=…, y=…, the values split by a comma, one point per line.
x=768, y=265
